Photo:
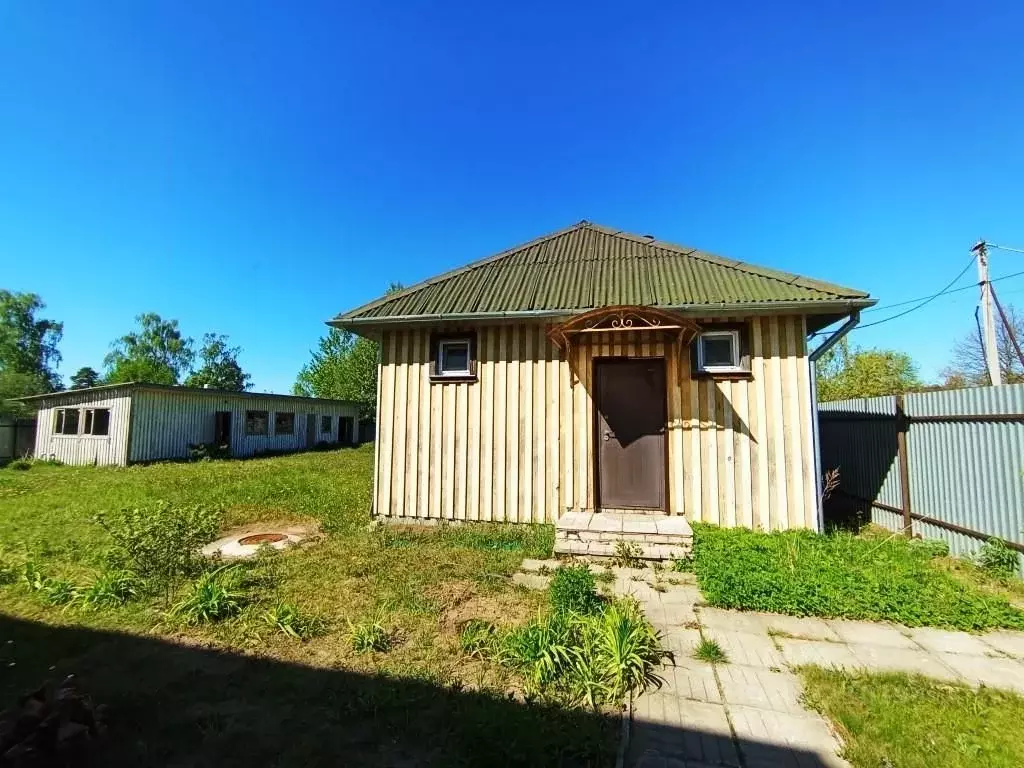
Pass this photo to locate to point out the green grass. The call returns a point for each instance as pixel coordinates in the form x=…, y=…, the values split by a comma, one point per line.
x=229, y=692
x=840, y=575
x=709, y=650
x=914, y=722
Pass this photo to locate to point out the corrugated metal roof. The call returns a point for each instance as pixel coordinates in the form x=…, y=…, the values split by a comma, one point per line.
x=588, y=266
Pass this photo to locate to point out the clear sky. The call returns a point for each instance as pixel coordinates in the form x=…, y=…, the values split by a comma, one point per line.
x=253, y=168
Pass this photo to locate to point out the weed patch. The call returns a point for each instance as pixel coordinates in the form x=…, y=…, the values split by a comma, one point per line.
x=213, y=597
x=573, y=589
x=839, y=575
x=709, y=650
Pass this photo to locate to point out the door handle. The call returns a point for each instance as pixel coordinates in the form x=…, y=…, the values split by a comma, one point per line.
x=608, y=435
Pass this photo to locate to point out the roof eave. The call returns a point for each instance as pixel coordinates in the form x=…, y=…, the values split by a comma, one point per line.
x=747, y=307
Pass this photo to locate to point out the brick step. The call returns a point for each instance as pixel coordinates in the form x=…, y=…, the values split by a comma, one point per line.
x=656, y=537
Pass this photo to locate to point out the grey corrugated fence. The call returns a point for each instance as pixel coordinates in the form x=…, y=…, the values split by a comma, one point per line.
x=17, y=437
x=947, y=465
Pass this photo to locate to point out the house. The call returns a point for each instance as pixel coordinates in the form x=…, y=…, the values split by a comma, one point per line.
x=128, y=423
x=593, y=370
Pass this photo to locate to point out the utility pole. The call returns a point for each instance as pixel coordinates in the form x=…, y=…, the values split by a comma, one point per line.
x=995, y=376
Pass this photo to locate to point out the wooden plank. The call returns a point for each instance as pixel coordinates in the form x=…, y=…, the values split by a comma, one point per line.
x=525, y=425
x=552, y=458
x=398, y=436
x=473, y=442
x=759, y=430
x=461, y=448
x=500, y=428
x=807, y=430
x=776, y=417
x=386, y=427
x=488, y=343
x=566, y=426
x=377, y=509
x=904, y=466
x=412, y=423
x=540, y=407
x=744, y=486
x=726, y=458
x=709, y=453
x=581, y=426
x=424, y=430
x=436, y=449
x=448, y=463
x=793, y=424
x=512, y=428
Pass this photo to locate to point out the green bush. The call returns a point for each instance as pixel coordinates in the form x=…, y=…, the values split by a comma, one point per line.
x=573, y=589
x=839, y=575
x=290, y=621
x=212, y=597
x=997, y=559
x=208, y=451
x=162, y=543
x=20, y=465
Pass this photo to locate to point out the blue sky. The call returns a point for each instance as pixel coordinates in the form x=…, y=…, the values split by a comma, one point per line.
x=253, y=168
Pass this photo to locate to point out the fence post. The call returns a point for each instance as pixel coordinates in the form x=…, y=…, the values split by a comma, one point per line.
x=902, y=425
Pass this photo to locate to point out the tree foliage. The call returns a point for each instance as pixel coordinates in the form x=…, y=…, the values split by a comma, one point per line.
x=84, y=378
x=219, y=368
x=343, y=367
x=968, y=368
x=28, y=349
x=847, y=372
x=156, y=353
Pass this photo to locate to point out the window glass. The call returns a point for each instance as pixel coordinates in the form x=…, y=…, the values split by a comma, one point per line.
x=67, y=421
x=100, y=422
x=284, y=423
x=455, y=357
x=325, y=423
x=718, y=350
x=256, y=422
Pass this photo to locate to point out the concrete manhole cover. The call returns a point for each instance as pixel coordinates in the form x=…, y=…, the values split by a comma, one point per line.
x=248, y=543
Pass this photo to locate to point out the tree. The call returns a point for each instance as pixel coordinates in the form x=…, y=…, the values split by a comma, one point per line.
x=156, y=354
x=84, y=378
x=846, y=372
x=219, y=367
x=968, y=368
x=343, y=367
x=28, y=345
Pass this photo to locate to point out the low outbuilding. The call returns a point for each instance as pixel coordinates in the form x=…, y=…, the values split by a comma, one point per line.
x=129, y=423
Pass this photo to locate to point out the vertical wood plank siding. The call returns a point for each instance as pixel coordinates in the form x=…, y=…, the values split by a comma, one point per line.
x=517, y=444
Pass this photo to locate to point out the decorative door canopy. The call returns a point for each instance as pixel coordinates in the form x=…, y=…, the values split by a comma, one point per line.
x=621, y=319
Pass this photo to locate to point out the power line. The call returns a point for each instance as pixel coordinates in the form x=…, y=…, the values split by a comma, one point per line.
x=944, y=293
x=927, y=300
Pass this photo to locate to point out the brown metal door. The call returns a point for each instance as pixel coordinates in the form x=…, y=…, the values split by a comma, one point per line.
x=631, y=409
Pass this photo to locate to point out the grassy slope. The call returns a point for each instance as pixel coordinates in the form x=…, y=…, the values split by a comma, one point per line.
x=840, y=575
x=913, y=722
x=423, y=584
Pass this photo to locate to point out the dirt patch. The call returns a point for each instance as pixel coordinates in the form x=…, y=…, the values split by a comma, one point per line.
x=502, y=610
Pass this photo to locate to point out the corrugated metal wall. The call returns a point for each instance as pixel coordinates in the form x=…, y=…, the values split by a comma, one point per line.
x=17, y=437
x=517, y=444
x=85, y=449
x=166, y=422
x=969, y=473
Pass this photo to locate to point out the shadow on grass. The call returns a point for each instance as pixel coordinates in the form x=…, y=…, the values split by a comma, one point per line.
x=182, y=705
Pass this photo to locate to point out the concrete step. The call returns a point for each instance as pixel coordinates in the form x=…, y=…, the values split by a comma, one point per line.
x=600, y=534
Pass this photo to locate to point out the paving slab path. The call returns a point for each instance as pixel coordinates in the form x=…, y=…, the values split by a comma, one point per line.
x=749, y=712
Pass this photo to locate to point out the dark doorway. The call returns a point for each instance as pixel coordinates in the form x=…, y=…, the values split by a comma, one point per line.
x=345, y=429
x=310, y=430
x=222, y=428
x=630, y=423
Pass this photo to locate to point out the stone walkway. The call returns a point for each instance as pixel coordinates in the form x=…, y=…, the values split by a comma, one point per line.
x=749, y=712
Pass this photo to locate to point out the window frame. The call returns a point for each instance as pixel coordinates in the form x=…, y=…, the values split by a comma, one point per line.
x=266, y=423
x=437, y=350
x=325, y=420
x=291, y=431
x=733, y=335
x=89, y=422
x=60, y=421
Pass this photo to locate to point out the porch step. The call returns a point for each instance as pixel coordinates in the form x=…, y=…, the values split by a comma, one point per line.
x=597, y=534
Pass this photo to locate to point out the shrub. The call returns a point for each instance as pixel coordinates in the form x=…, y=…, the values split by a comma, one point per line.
x=839, y=575
x=627, y=649
x=478, y=638
x=573, y=589
x=208, y=451
x=369, y=635
x=997, y=559
x=8, y=573
x=212, y=597
x=111, y=589
x=628, y=555
x=20, y=465
x=543, y=650
x=289, y=620
x=33, y=577
x=931, y=547
x=709, y=650
x=683, y=564
x=59, y=592
x=160, y=543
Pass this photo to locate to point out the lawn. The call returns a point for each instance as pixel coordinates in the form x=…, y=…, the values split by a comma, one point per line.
x=232, y=692
x=914, y=722
x=879, y=578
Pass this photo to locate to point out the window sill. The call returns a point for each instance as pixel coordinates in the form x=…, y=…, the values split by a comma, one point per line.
x=77, y=437
x=737, y=375
x=468, y=379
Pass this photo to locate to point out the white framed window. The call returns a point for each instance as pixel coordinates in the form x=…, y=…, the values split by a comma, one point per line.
x=97, y=422
x=719, y=351
x=453, y=357
x=66, y=421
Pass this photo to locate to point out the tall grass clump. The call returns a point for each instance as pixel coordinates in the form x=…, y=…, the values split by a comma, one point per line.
x=213, y=597
x=573, y=589
x=997, y=559
x=840, y=575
